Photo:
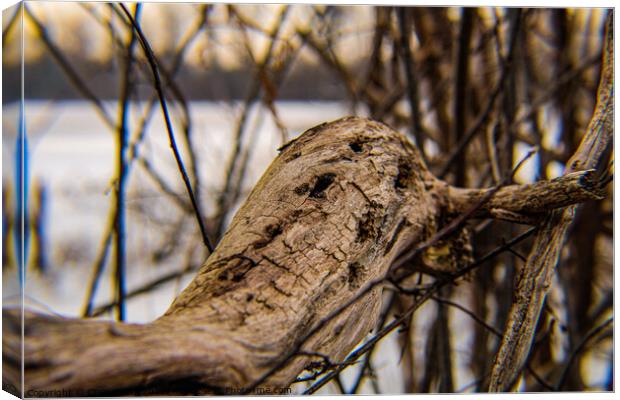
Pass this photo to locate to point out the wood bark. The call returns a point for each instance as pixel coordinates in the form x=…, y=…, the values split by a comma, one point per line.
x=327, y=218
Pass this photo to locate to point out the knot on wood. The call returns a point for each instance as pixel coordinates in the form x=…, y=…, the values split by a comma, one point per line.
x=271, y=231
x=323, y=182
x=236, y=270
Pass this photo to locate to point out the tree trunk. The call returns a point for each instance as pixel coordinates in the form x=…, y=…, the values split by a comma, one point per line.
x=320, y=229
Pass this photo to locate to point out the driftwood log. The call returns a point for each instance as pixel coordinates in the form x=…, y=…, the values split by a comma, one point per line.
x=325, y=221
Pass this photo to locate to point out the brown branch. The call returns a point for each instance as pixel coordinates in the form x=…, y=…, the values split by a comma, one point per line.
x=412, y=79
x=461, y=77
x=121, y=356
x=532, y=198
x=534, y=279
x=485, y=114
x=153, y=63
x=494, y=331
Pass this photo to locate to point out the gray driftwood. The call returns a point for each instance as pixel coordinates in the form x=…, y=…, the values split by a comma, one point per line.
x=327, y=218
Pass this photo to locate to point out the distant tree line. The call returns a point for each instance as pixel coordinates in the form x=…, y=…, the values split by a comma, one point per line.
x=45, y=80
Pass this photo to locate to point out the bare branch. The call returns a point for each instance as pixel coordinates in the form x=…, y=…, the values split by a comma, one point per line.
x=578, y=349
x=534, y=279
x=177, y=156
x=534, y=198
x=484, y=115
x=66, y=66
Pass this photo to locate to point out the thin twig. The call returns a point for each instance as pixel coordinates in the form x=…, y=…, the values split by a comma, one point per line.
x=367, y=359
x=148, y=113
x=73, y=76
x=333, y=62
x=460, y=91
x=486, y=112
x=370, y=286
x=146, y=288
x=470, y=313
x=578, y=349
x=98, y=267
x=412, y=80
x=157, y=82
x=106, y=24
x=134, y=153
x=493, y=330
x=123, y=140
x=163, y=186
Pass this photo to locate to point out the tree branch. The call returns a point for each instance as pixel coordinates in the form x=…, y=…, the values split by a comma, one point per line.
x=162, y=100
x=535, y=198
x=534, y=279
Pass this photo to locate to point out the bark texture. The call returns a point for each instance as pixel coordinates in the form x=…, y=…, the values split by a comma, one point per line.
x=328, y=217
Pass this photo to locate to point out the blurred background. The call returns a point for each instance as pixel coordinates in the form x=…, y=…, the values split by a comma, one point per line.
x=109, y=227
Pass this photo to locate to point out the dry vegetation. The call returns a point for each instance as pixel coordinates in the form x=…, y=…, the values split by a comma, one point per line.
x=472, y=88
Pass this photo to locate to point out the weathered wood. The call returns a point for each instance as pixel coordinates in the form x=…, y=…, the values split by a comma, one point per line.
x=534, y=279
x=529, y=204
x=535, y=198
x=328, y=217
x=320, y=223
